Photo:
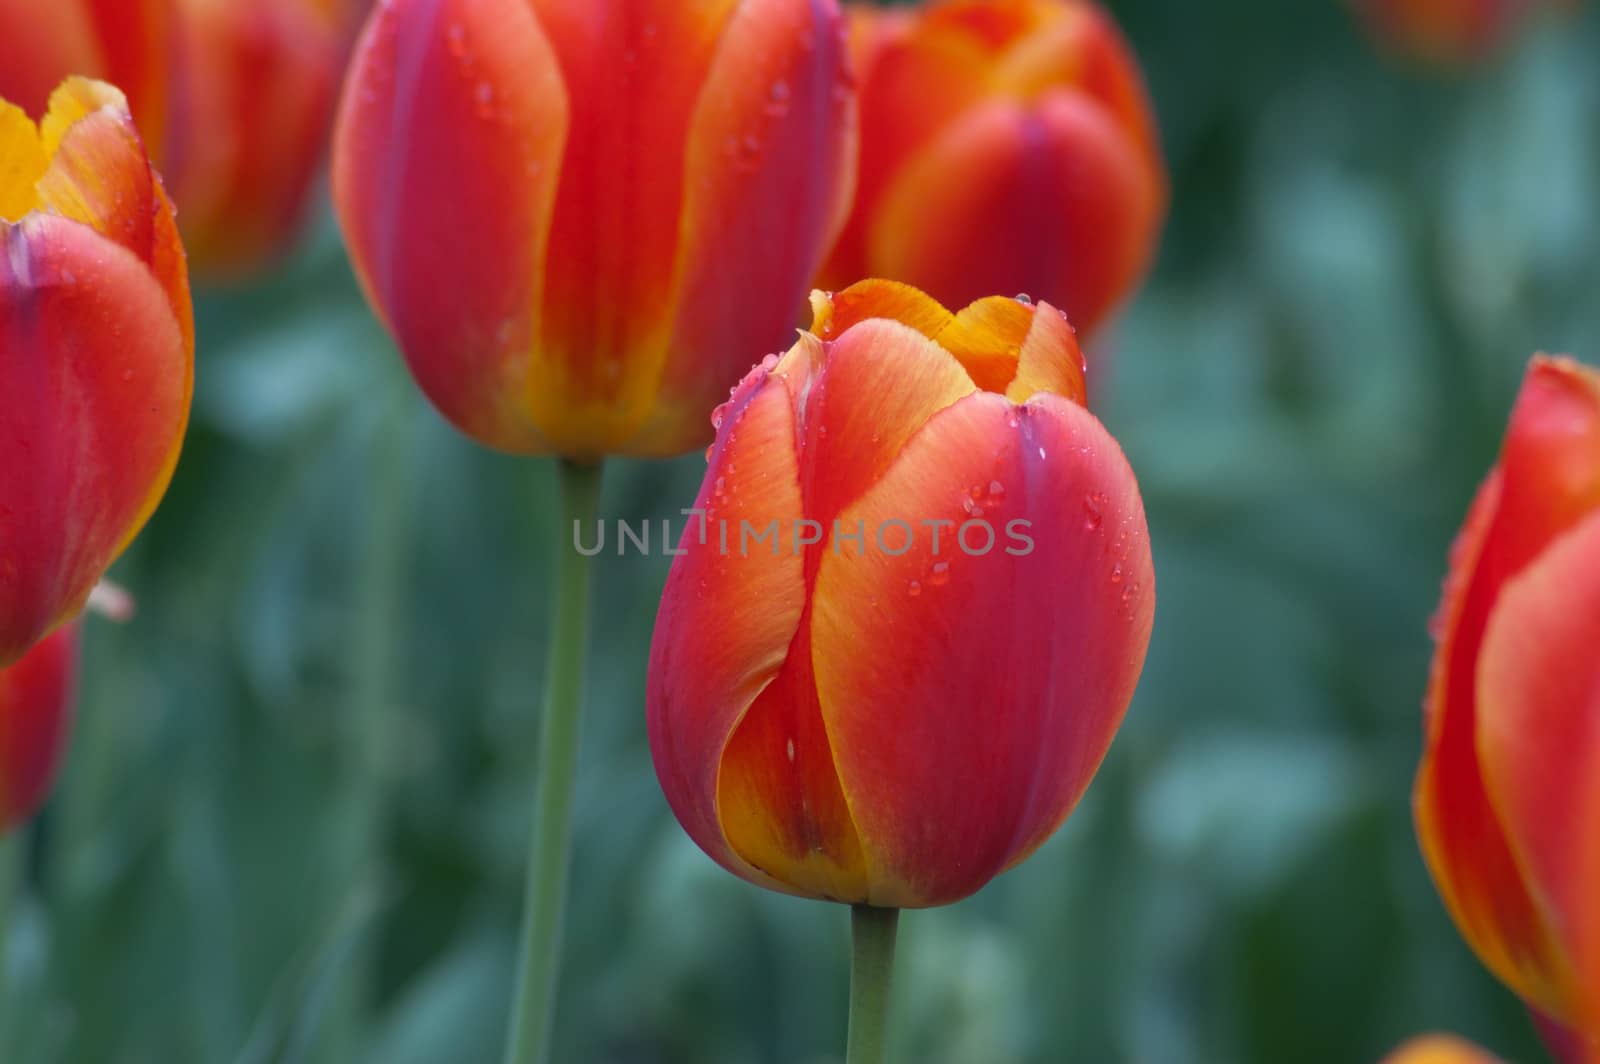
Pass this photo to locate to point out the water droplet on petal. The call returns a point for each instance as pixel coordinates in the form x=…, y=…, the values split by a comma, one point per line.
x=1116, y=573
x=1025, y=299
x=939, y=575
x=914, y=588
x=1093, y=517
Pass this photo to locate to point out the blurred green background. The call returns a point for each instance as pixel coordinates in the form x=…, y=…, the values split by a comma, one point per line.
x=310, y=755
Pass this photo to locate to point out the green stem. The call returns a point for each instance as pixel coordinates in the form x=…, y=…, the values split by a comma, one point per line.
x=871, y=965
x=540, y=960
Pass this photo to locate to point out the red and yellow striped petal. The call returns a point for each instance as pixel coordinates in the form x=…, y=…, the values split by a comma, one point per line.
x=451, y=254
x=1538, y=738
x=771, y=164
x=726, y=621
x=43, y=42
x=968, y=710
x=36, y=701
x=1053, y=200
x=1439, y=1049
x=94, y=402
x=1547, y=481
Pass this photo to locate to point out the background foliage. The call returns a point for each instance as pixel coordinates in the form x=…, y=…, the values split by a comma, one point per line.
x=264, y=796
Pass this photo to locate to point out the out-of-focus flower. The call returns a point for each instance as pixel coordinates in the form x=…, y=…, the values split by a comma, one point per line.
x=1513, y=713
x=36, y=696
x=1439, y=1049
x=1448, y=31
x=234, y=99
x=1006, y=146
x=905, y=687
x=96, y=352
x=580, y=220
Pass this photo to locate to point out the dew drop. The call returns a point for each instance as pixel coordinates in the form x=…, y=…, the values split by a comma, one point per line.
x=939, y=575
x=1041, y=453
x=790, y=751
x=1025, y=299
x=1093, y=517
x=997, y=491
x=914, y=588
x=1116, y=573
x=972, y=507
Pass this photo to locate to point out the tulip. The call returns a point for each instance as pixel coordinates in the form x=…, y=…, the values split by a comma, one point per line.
x=579, y=220
x=1006, y=146
x=96, y=352
x=1439, y=1049
x=36, y=696
x=1445, y=31
x=1513, y=706
x=857, y=710
x=235, y=100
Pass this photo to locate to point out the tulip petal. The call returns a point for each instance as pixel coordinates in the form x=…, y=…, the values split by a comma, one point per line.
x=23, y=161
x=58, y=39
x=607, y=289
x=832, y=313
x=771, y=148
x=96, y=397
x=969, y=696
x=1050, y=360
x=1539, y=715
x=448, y=156
x=715, y=652
x=1548, y=479
x=880, y=382
x=1053, y=200
x=36, y=700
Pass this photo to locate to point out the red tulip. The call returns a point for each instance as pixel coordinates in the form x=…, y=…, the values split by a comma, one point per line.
x=234, y=99
x=1439, y=1049
x=858, y=710
x=579, y=220
x=1006, y=146
x=96, y=352
x=1448, y=31
x=1513, y=714
x=36, y=696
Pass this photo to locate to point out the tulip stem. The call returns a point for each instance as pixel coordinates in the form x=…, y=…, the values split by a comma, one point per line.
x=540, y=961
x=872, y=933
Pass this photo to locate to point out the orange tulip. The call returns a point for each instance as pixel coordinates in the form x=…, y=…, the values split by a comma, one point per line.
x=234, y=98
x=1439, y=1049
x=96, y=352
x=579, y=220
x=1445, y=31
x=905, y=689
x=1513, y=708
x=36, y=696
x=1006, y=146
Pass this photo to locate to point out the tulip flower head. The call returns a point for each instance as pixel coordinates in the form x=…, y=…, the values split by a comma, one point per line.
x=36, y=696
x=905, y=688
x=96, y=352
x=1513, y=707
x=579, y=220
x=234, y=99
x=1006, y=146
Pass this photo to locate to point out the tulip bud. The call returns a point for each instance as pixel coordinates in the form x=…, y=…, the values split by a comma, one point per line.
x=1439, y=1049
x=36, y=695
x=234, y=98
x=906, y=685
x=579, y=220
x=1006, y=146
x=96, y=352
x=1513, y=707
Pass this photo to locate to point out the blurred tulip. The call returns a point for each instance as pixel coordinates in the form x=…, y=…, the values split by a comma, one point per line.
x=579, y=220
x=1513, y=708
x=36, y=695
x=96, y=352
x=234, y=98
x=909, y=691
x=1446, y=31
x=1439, y=1049
x=1006, y=146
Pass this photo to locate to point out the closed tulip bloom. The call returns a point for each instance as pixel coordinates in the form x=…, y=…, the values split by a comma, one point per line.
x=96, y=352
x=1513, y=707
x=234, y=99
x=579, y=220
x=907, y=690
x=1006, y=146
x=1439, y=1049
x=36, y=696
